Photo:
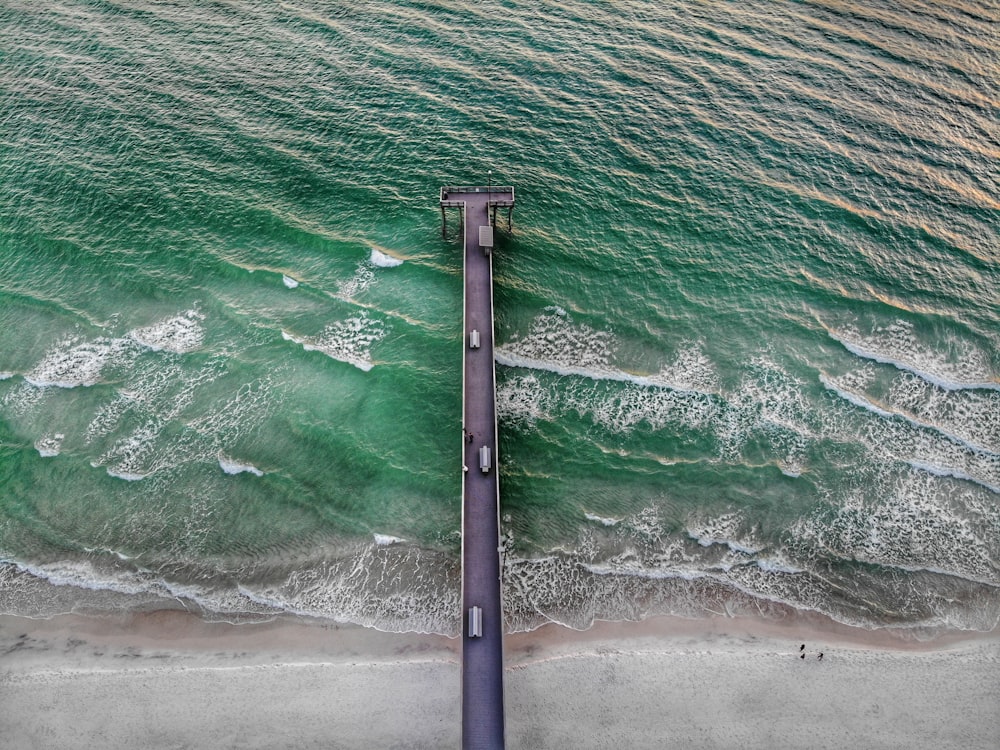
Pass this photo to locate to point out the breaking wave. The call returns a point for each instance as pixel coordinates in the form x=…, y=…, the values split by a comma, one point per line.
x=349, y=341
x=960, y=365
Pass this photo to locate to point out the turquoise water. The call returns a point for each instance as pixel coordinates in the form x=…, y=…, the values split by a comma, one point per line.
x=748, y=320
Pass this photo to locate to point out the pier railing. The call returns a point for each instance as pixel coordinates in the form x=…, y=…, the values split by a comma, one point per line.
x=505, y=190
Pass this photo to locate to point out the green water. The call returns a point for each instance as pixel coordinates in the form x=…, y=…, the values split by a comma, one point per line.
x=747, y=320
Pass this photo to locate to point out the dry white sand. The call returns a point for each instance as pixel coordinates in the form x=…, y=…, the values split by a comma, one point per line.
x=168, y=680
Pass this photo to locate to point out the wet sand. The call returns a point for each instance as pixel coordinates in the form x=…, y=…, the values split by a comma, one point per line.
x=168, y=679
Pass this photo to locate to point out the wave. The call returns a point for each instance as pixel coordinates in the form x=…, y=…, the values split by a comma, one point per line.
x=49, y=445
x=521, y=399
x=603, y=520
x=136, y=455
x=380, y=259
x=82, y=574
x=661, y=380
x=712, y=568
x=910, y=521
x=126, y=475
x=723, y=531
x=571, y=590
x=344, y=353
x=769, y=407
x=860, y=400
x=364, y=275
x=363, y=278
x=898, y=437
x=556, y=344
x=233, y=467
x=949, y=471
x=111, y=581
x=73, y=363
x=897, y=345
x=179, y=334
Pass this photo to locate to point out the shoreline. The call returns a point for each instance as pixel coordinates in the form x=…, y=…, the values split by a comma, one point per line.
x=169, y=678
x=181, y=633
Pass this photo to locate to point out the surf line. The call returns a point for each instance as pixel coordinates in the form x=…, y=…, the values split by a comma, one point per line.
x=482, y=614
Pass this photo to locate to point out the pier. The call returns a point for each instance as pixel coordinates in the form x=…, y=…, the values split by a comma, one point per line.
x=482, y=613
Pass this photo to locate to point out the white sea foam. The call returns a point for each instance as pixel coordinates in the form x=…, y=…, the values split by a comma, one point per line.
x=950, y=471
x=961, y=366
x=73, y=363
x=363, y=586
x=769, y=406
x=6, y=375
x=139, y=585
x=126, y=475
x=347, y=340
x=899, y=437
x=83, y=574
x=961, y=425
x=348, y=357
x=178, y=334
x=778, y=565
x=521, y=399
x=232, y=467
x=49, y=445
x=558, y=343
x=604, y=521
x=384, y=539
x=854, y=398
x=384, y=260
x=131, y=457
x=154, y=395
x=624, y=409
x=213, y=432
x=107, y=550
x=576, y=590
x=691, y=370
x=506, y=357
x=631, y=567
x=363, y=278
x=289, y=282
x=726, y=529
x=910, y=520
x=154, y=448
x=23, y=398
x=682, y=393
x=972, y=416
x=526, y=398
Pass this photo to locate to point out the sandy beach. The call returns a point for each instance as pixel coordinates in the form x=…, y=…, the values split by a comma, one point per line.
x=170, y=680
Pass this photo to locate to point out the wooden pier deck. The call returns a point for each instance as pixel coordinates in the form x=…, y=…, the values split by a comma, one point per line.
x=482, y=655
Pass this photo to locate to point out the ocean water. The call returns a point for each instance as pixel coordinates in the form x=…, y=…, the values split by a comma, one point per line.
x=748, y=319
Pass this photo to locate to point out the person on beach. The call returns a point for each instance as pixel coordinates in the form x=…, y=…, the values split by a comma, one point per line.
x=802, y=647
x=820, y=657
